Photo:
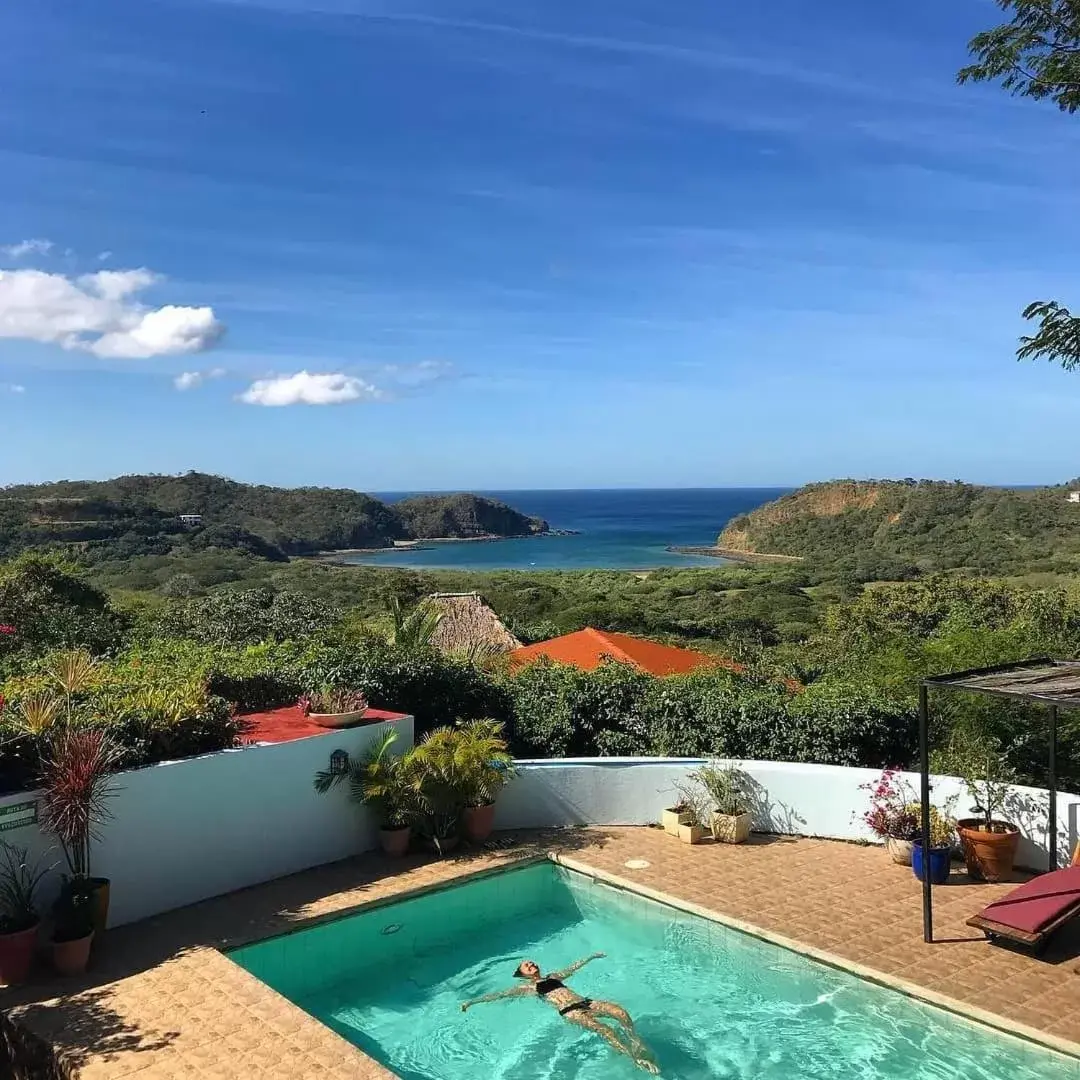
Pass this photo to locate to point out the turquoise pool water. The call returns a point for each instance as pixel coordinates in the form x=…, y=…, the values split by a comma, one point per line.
x=711, y=1002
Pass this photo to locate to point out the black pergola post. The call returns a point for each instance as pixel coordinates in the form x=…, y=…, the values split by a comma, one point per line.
x=1052, y=781
x=924, y=791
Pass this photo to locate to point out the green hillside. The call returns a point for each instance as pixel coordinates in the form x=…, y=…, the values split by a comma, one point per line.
x=896, y=529
x=141, y=515
x=430, y=516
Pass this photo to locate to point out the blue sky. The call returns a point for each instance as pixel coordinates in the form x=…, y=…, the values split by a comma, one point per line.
x=550, y=243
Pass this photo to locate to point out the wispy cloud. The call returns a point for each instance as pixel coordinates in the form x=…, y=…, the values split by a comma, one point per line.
x=27, y=247
x=100, y=313
x=189, y=380
x=12, y=388
x=307, y=388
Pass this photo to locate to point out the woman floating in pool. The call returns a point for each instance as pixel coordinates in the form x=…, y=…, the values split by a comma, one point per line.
x=585, y=1012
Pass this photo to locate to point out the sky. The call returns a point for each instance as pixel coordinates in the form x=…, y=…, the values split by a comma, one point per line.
x=451, y=244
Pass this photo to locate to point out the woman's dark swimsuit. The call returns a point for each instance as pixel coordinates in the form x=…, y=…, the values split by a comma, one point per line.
x=545, y=987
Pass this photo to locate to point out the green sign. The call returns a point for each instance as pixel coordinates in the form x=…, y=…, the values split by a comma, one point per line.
x=17, y=815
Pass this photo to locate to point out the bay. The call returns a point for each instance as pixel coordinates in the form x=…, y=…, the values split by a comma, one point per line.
x=619, y=529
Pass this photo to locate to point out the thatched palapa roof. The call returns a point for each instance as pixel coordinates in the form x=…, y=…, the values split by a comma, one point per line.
x=467, y=622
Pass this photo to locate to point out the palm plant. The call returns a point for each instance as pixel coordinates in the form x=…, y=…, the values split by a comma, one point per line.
x=379, y=780
x=483, y=759
x=20, y=880
x=441, y=785
x=75, y=781
x=416, y=628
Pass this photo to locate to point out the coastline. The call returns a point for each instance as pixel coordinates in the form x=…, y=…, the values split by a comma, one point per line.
x=733, y=555
x=338, y=555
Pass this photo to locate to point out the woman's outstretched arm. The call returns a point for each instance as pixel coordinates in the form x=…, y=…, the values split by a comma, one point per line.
x=577, y=965
x=499, y=995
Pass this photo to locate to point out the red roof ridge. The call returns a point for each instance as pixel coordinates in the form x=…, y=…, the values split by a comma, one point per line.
x=617, y=652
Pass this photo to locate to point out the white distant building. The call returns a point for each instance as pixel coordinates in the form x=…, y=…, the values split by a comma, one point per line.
x=1074, y=496
x=193, y=521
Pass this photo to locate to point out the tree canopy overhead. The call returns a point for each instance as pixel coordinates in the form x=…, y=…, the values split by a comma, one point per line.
x=1036, y=54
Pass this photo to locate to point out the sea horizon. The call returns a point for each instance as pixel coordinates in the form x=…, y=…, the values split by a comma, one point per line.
x=612, y=529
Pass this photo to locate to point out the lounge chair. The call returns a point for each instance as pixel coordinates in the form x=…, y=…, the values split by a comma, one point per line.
x=1031, y=913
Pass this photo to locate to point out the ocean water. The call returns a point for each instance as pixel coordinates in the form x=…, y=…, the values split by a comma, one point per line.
x=710, y=1003
x=618, y=530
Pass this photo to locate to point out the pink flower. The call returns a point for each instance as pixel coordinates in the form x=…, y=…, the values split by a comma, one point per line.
x=7, y=629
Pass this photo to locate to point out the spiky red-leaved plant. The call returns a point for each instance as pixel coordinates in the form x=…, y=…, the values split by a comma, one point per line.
x=76, y=787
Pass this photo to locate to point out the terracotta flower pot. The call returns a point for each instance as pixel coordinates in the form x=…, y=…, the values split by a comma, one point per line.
x=17, y=955
x=395, y=842
x=71, y=957
x=478, y=822
x=989, y=855
x=899, y=850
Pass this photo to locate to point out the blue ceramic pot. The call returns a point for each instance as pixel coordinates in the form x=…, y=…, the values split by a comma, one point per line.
x=940, y=862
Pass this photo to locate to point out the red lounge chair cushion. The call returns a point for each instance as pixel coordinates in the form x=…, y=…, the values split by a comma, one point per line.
x=1038, y=902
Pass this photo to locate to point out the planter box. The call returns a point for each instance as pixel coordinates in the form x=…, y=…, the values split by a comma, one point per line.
x=692, y=834
x=337, y=720
x=731, y=828
x=672, y=818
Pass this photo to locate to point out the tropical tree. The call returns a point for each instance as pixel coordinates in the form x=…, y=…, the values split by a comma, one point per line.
x=1036, y=54
x=415, y=628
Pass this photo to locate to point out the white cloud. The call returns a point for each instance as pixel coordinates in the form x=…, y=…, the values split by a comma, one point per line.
x=188, y=380
x=12, y=388
x=99, y=313
x=104, y=256
x=305, y=388
x=27, y=247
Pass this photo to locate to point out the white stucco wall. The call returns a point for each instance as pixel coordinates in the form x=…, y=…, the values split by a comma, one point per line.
x=808, y=800
x=187, y=830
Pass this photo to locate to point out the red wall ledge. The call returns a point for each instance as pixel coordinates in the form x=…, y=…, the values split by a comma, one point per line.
x=289, y=723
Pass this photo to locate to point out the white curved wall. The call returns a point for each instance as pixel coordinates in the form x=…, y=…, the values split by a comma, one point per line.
x=183, y=831
x=792, y=799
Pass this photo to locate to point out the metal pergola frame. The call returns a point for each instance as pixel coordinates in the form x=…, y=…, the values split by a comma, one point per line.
x=1039, y=681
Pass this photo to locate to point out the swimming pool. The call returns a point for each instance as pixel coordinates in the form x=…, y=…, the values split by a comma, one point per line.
x=710, y=1001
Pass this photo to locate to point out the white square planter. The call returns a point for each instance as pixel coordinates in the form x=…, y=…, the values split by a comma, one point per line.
x=731, y=828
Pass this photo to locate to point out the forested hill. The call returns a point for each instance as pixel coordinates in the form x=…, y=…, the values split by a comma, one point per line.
x=896, y=529
x=141, y=515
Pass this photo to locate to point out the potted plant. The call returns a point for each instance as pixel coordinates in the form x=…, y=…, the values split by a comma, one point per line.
x=19, y=916
x=942, y=831
x=381, y=781
x=332, y=707
x=486, y=768
x=890, y=816
x=75, y=788
x=74, y=917
x=674, y=816
x=988, y=842
x=731, y=817
x=441, y=785
x=693, y=826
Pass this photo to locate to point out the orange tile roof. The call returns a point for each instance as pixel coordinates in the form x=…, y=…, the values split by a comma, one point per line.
x=587, y=648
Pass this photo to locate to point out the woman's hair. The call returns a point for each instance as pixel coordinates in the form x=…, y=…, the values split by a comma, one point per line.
x=518, y=973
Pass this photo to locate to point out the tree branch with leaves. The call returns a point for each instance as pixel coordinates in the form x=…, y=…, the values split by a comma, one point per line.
x=1037, y=55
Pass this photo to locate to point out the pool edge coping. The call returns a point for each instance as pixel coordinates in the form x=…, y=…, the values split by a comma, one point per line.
x=1000, y=1025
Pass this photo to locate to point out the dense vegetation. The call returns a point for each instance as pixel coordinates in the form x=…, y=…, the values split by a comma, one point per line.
x=118, y=519
x=897, y=530
x=170, y=671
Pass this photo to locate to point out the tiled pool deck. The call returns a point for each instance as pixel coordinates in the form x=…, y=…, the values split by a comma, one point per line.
x=163, y=1002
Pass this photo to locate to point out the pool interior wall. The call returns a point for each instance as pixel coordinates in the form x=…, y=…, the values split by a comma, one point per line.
x=711, y=1001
